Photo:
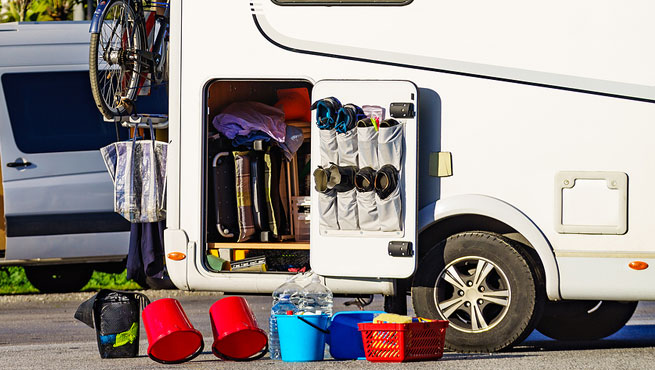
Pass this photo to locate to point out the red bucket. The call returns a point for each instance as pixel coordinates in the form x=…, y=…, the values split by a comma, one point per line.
x=236, y=334
x=171, y=337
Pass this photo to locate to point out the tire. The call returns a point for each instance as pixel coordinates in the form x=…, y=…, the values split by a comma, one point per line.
x=584, y=320
x=60, y=278
x=114, y=77
x=111, y=267
x=489, y=312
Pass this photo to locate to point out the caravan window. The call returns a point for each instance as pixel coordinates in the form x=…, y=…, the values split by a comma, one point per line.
x=55, y=112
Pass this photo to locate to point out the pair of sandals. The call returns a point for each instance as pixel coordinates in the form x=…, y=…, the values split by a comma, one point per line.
x=342, y=179
x=331, y=114
x=372, y=122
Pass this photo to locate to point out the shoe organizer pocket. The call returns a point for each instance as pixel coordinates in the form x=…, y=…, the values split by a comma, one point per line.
x=347, y=144
x=367, y=211
x=329, y=148
x=327, y=208
x=347, y=210
x=390, y=211
x=244, y=196
x=367, y=143
x=390, y=146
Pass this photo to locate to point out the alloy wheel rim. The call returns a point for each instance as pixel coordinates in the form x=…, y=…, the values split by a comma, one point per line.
x=472, y=293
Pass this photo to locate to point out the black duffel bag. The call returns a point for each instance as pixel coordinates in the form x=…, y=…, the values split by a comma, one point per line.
x=116, y=317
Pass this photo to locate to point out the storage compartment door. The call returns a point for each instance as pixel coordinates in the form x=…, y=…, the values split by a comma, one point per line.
x=361, y=233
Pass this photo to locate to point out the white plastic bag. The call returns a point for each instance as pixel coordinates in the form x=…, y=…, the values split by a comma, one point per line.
x=138, y=170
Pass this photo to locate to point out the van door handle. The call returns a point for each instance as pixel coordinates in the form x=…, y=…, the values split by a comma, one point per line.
x=20, y=162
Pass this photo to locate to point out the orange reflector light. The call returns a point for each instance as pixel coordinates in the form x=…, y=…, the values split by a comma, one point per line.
x=638, y=265
x=176, y=256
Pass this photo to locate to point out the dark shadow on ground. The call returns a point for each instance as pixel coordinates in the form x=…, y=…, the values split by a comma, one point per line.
x=631, y=336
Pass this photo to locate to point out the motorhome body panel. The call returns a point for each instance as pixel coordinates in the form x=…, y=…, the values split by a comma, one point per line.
x=584, y=47
x=509, y=135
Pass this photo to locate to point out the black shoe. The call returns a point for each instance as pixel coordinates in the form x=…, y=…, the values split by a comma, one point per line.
x=326, y=112
x=389, y=123
x=341, y=178
x=386, y=181
x=365, y=180
x=366, y=122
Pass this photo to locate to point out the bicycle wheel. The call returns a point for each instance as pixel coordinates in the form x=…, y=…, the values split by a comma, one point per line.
x=115, y=61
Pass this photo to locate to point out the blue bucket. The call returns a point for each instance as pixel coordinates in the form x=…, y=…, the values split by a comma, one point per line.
x=345, y=339
x=302, y=337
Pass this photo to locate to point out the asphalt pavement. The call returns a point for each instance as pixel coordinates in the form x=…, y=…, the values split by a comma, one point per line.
x=38, y=331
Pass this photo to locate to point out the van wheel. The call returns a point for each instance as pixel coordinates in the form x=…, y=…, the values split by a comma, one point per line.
x=60, y=278
x=584, y=320
x=484, y=286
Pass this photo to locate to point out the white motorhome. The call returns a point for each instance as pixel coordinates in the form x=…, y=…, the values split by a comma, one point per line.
x=526, y=179
x=56, y=208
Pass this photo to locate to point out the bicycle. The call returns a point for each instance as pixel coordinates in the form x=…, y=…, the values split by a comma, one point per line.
x=123, y=61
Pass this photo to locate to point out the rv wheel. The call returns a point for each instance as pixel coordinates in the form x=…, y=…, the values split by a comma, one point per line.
x=484, y=286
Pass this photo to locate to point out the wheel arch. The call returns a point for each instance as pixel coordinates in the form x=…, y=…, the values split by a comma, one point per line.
x=472, y=212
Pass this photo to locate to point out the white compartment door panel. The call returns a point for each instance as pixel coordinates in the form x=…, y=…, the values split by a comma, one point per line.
x=362, y=251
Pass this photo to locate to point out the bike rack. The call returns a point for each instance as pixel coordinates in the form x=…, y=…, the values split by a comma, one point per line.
x=159, y=121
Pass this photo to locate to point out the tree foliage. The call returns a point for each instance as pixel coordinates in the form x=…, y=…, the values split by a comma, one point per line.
x=37, y=10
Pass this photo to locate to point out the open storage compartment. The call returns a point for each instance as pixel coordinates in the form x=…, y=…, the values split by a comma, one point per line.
x=257, y=184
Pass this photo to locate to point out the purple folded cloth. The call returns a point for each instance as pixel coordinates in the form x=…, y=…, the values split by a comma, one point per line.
x=241, y=118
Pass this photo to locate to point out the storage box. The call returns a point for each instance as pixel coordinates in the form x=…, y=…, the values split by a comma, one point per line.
x=403, y=342
x=249, y=264
x=345, y=340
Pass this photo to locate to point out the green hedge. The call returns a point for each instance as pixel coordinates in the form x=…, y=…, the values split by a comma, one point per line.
x=14, y=281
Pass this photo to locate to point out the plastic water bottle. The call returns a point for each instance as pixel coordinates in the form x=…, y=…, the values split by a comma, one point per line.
x=316, y=298
x=283, y=301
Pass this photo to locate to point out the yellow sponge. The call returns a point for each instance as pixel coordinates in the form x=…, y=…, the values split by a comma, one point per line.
x=392, y=318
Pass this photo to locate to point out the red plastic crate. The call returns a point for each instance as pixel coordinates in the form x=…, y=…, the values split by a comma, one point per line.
x=403, y=342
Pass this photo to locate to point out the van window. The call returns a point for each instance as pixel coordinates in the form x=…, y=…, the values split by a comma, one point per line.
x=55, y=112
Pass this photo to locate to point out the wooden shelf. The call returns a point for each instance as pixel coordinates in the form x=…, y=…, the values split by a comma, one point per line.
x=272, y=245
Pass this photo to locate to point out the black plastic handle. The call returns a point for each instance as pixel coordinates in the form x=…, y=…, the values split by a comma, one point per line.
x=19, y=164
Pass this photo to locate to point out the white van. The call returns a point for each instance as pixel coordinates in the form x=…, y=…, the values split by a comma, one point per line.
x=526, y=176
x=56, y=209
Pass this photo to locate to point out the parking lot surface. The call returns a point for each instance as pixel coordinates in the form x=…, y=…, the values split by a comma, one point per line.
x=39, y=332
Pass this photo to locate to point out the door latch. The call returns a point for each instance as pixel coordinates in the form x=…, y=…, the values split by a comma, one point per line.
x=19, y=162
x=400, y=249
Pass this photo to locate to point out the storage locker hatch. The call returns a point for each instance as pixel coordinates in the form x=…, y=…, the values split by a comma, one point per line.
x=359, y=233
